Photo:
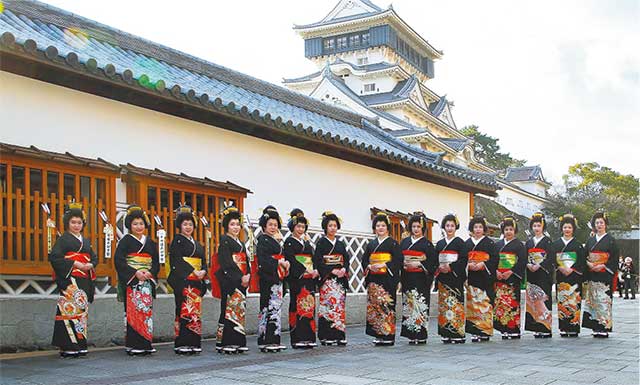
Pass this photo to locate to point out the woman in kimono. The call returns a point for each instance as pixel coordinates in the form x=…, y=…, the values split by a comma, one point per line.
x=482, y=264
x=331, y=259
x=602, y=266
x=187, y=278
x=273, y=268
x=137, y=265
x=233, y=276
x=420, y=265
x=451, y=276
x=571, y=262
x=511, y=269
x=540, y=266
x=73, y=264
x=382, y=261
x=303, y=278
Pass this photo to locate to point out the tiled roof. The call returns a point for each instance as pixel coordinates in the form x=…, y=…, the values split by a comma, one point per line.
x=84, y=45
x=368, y=67
x=456, y=144
x=341, y=19
x=67, y=157
x=436, y=108
x=521, y=174
x=401, y=91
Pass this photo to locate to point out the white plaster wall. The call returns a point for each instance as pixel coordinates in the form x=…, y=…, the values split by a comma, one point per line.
x=59, y=119
x=518, y=202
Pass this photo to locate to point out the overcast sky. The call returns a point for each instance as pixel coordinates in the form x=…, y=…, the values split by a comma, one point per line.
x=556, y=81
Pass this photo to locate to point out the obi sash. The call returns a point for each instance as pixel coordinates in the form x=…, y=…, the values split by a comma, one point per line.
x=478, y=256
x=507, y=261
x=196, y=263
x=566, y=259
x=139, y=261
x=380, y=258
x=307, y=261
x=447, y=256
x=80, y=257
x=241, y=261
x=333, y=259
x=282, y=272
x=413, y=256
x=537, y=256
x=598, y=257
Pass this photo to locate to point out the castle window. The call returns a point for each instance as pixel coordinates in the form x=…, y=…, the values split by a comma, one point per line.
x=329, y=44
x=354, y=40
x=365, y=38
x=341, y=42
x=370, y=87
x=363, y=61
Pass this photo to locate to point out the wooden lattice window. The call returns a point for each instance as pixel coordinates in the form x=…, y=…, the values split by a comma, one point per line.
x=30, y=177
x=397, y=219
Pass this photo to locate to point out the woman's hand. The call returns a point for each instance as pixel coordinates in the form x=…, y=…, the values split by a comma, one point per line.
x=245, y=280
x=141, y=276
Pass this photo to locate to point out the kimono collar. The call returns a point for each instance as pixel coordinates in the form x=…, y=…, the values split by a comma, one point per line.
x=299, y=240
x=599, y=237
x=566, y=242
x=476, y=241
x=330, y=241
x=414, y=240
x=142, y=239
x=78, y=237
x=447, y=240
x=189, y=238
x=537, y=240
x=235, y=239
x=381, y=240
x=507, y=242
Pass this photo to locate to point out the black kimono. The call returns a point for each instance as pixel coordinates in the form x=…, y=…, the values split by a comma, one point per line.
x=539, y=312
x=598, y=299
x=187, y=255
x=302, y=290
x=269, y=252
x=76, y=290
x=480, y=294
x=234, y=263
x=382, y=287
x=416, y=286
x=569, y=287
x=132, y=255
x=451, y=317
x=506, y=309
x=332, y=317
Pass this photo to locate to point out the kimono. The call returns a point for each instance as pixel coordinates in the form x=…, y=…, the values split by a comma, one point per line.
x=185, y=256
x=451, y=317
x=302, y=291
x=76, y=290
x=569, y=288
x=332, y=318
x=234, y=263
x=506, y=307
x=132, y=255
x=382, y=287
x=598, y=298
x=480, y=294
x=269, y=252
x=416, y=287
x=538, y=314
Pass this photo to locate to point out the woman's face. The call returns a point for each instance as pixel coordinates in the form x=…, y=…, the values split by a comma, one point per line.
x=478, y=230
x=186, y=227
x=509, y=232
x=537, y=228
x=416, y=229
x=271, y=227
x=332, y=228
x=601, y=226
x=75, y=225
x=450, y=228
x=234, y=227
x=567, y=230
x=299, y=229
x=381, y=229
x=137, y=227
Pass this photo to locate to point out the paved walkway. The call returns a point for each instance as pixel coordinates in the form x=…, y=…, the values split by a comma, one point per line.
x=556, y=361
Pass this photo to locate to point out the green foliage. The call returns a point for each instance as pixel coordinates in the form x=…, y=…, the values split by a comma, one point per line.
x=487, y=150
x=589, y=187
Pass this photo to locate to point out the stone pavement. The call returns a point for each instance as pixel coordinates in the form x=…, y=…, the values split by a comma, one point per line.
x=528, y=361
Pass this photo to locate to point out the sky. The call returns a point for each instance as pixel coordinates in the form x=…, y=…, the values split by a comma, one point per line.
x=558, y=82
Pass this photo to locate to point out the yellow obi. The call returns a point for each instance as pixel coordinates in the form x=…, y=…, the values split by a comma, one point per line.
x=139, y=261
x=306, y=260
x=376, y=258
x=598, y=257
x=566, y=259
x=196, y=263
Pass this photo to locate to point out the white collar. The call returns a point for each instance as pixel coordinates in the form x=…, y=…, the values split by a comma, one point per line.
x=448, y=240
x=235, y=239
x=78, y=237
x=299, y=240
x=507, y=242
x=330, y=241
x=381, y=240
x=414, y=240
x=537, y=240
x=476, y=241
x=142, y=240
x=599, y=237
x=566, y=242
x=189, y=238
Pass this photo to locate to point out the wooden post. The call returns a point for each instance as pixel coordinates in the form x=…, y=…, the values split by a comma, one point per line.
x=471, y=204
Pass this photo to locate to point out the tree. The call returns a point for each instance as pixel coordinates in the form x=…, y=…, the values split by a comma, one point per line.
x=487, y=150
x=588, y=187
